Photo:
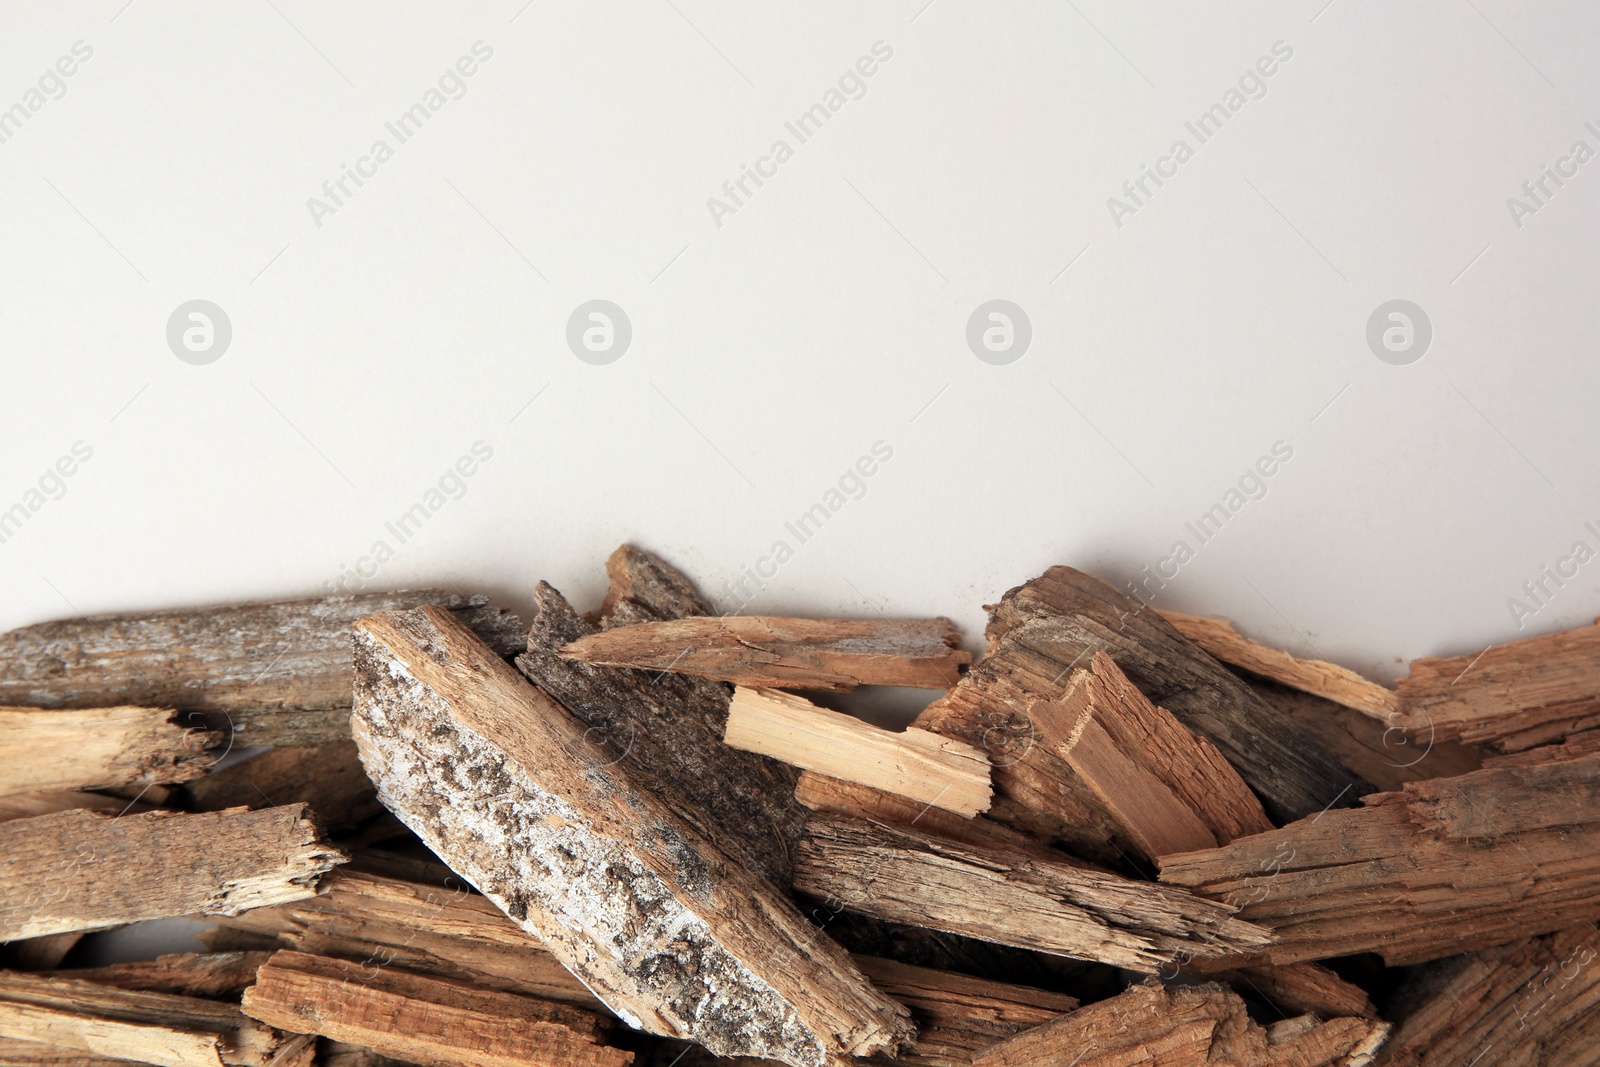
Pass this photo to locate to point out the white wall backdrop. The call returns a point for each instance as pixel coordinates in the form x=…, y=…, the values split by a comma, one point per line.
x=519, y=160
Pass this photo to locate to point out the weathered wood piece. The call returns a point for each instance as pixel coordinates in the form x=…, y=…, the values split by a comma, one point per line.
x=425, y=1019
x=1508, y=697
x=903, y=875
x=1318, y=677
x=217, y=975
x=1039, y=633
x=270, y=674
x=1301, y=987
x=1530, y=1004
x=673, y=934
x=1169, y=789
x=85, y=1017
x=914, y=763
x=84, y=870
x=452, y=932
x=1186, y=1026
x=766, y=650
x=15, y=1053
x=328, y=777
x=97, y=748
x=1576, y=746
x=1443, y=866
x=646, y=588
x=667, y=728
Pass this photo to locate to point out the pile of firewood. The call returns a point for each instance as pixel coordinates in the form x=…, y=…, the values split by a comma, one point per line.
x=1123, y=836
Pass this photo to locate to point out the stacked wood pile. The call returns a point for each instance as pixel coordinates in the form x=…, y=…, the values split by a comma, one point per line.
x=644, y=837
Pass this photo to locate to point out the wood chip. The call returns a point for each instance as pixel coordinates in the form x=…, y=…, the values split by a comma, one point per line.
x=666, y=929
x=84, y=870
x=98, y=748
x=765, y=650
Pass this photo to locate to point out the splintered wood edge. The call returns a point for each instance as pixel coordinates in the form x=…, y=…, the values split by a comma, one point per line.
x=1318, y=677
x=917, y=764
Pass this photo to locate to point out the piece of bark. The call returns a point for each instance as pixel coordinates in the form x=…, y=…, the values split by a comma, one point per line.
x=1300, y=987
x=1039, y=633
x=217, y=975
x=450, y=932
x=159, y=1028
x=1185, y=1026
x=425, y=1019
x=1386, y=756
x=646, y=588
x=675, y=935
x=1509, y=697
x=269, y=674
x=83, y=870
x=1535, y=1003
x=1418, y=874
x=1318, y=677
x=1169, y=789
x=667, y=729
x=766, y=650
x=328, y=777
x=914, y=763
x=901, y=874
x=99, y=748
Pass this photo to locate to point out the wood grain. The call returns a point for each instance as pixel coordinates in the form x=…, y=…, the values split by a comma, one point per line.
x=99, y=748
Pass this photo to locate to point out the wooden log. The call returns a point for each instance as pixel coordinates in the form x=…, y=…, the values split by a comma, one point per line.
x=915, y=763
x=1186, y=1026
x=328, y=777
x=765, y=650
x=83, y=870
x=159, y=1028
x=903, y=875
x=98, y=748
x=270, y=674
x=1168, y=789
x=1039, y=633
x=1419, y=874
x=669, y=931
x=216, y=975
x=1318, y=677
x=1533, y=1003
x=1509, y=697
x=427, y=1020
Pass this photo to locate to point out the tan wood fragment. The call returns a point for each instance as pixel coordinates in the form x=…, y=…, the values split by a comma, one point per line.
x=98, y=748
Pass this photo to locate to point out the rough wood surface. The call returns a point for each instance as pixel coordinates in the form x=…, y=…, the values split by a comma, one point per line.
x=667, y=728
x=765, y=650
x=15, y=1053
x=1535, y=1003
x=98, y=748
x=449, y=931
x=1169, y=789
x=1444, y=866
x=425, y=1019
x=328, y=777
x=1319, y=677
x=1301, y=987
x=1039, y=633
x=673, y=934
x=1576, y=746
x=270, y=674
x=83, y=870
x=903, y=875
x=646, y=588
x=218, y=975
x=67, y=1014
x=914, y=763
x=1187, y=1026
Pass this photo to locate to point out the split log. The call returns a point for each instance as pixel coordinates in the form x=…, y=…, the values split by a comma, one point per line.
x=328, y=777
x=1318, y=677
x=915, y=764
x=1186, y=1026
x=1508, y=697
x=217, y=975
x=99, y=748
x=670, y=932
x=426, y=1020
x=765, y=650
x=270, y=674
x=903, y=875
x=1039, y=633
x=83, y=870
x=159, y=1028
x=1443, y=866
x=1168, y=789
x=1530, y=1004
